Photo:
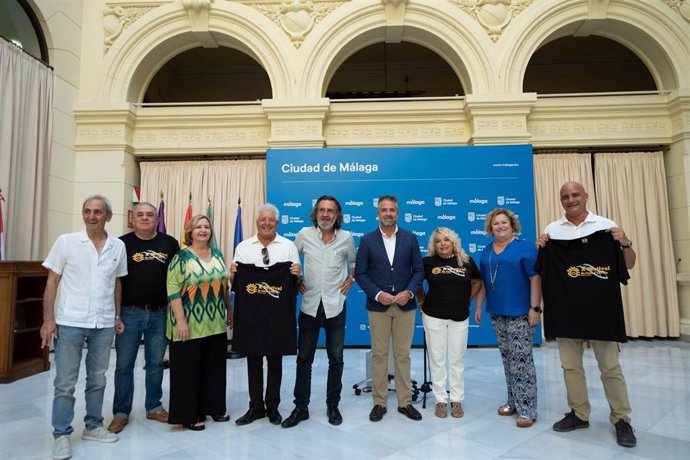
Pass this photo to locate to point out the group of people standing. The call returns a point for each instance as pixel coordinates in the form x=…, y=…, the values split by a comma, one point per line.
x=143, y=285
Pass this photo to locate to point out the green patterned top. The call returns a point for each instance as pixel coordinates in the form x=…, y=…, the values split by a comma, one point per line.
x=201, y=287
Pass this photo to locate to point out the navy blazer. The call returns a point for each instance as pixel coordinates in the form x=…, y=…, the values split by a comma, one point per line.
x=374, y=272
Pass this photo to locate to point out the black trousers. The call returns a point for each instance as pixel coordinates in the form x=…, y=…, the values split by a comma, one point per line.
x=197, y=379
x=255, y=377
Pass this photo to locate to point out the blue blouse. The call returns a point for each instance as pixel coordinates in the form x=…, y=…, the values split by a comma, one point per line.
x=510, y=293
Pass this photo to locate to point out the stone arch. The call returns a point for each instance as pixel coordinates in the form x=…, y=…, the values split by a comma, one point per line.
x=164, y=32
x=653, y=36
x=444, y=29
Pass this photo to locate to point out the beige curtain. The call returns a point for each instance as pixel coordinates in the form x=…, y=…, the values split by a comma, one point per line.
x=223, y=181
x=631, y=190
x=551, y=171
x=26, y=124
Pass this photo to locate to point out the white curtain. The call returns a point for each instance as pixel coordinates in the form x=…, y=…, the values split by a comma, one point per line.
x=631, y=190
x=224, y=182
x=551, y=171
x=26, y=123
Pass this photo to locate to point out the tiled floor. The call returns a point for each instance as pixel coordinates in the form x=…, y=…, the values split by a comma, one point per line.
x=657, y=372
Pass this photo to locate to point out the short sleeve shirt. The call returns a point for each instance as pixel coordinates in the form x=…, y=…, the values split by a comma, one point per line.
x=86, y=292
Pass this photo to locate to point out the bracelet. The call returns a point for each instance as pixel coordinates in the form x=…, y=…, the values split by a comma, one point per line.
x=116, y=317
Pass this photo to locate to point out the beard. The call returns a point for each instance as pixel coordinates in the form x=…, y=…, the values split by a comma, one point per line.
x=326, y=224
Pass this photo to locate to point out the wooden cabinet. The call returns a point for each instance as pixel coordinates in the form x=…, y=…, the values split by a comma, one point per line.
x=21, y=314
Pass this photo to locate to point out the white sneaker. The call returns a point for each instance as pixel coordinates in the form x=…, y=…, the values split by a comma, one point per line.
x=99, y=434
x=62, y=448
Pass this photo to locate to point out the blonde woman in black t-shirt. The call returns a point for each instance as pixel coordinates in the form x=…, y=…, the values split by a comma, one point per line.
x=453, y=281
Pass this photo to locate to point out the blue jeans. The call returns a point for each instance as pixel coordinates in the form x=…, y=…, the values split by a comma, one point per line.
x=68, y=350
x=306, y=347
x=150, y=324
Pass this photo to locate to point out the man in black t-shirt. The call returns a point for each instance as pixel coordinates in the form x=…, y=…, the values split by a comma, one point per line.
x=144, y=311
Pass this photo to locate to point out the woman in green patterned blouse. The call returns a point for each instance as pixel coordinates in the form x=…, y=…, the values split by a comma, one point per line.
x=197, y=319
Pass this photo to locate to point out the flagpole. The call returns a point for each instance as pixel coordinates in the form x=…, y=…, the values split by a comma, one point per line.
x=231, y=354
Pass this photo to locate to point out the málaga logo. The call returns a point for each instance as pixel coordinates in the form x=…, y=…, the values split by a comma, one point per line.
x=264, y=288
x=589, y=270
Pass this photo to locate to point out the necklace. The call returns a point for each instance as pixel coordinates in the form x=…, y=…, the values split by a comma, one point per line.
x=492, y=272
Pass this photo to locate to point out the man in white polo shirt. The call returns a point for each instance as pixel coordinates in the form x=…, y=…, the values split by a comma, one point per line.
x=81, y=305
x=264, y=249
x=578, y=222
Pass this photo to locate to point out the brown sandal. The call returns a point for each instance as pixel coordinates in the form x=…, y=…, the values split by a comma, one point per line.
x=441, y=410
x=456, y=409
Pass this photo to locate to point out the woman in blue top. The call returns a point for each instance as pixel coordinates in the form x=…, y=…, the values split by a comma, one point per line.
x=513, y=295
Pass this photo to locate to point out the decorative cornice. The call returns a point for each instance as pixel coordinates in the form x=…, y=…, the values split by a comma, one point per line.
x=493, y=15
x=590, y=121
x=682, y=7
x=118, y=17
x=298, y=17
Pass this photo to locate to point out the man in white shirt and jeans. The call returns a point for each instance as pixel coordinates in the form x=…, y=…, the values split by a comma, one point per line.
x=329, y=268
x=81, y=305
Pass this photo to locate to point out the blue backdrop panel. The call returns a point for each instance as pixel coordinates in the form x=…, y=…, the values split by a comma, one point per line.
x=436, y=186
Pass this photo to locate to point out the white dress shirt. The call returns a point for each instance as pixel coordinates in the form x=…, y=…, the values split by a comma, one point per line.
x=326, y=265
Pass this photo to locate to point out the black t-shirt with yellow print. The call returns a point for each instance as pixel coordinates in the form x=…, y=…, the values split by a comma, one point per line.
x=450, y=286
x=581, y=287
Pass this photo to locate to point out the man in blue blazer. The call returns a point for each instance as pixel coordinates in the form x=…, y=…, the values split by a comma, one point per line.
x=389, y=270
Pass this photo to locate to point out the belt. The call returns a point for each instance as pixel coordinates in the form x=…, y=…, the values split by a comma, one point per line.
x=149, y=307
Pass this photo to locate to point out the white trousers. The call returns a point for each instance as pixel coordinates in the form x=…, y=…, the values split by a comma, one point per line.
x=446, y=341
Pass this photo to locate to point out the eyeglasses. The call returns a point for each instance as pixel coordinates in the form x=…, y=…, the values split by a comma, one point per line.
x=264, y=252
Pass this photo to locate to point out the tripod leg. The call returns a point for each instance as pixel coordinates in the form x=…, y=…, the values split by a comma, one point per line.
x=426, y=386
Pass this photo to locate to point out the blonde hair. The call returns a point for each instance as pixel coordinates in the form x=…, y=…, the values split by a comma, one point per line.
x=460, y=254
x=192, y=224
x=514, y=222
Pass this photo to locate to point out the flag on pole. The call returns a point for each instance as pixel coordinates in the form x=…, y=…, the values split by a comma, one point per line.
x=209, y=213
x=136, y=194
x=160, y=228
x=3, y=256
x=235, y=241
x=187, y=219
x=238, y=226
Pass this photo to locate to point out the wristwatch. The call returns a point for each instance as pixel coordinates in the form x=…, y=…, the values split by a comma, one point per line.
x=626, y=246
x=538, y=309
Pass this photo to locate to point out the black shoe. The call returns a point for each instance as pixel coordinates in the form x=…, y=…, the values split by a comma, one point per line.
x=570, y=422
x=625, y=434
x=334, y=417
x=274, y=416
x=221, y=418
x=251, y=415
x=410, y=412
x=377, y=413
x=297, y=415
